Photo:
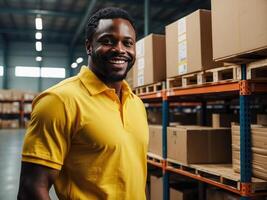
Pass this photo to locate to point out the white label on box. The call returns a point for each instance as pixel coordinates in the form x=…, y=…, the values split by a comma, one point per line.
x=182, y=69
x=140, y=48
x=140, y=63
x=181, y=26
x=140, y=72
x=140, y=80
x=182, y=51
x=181, y=38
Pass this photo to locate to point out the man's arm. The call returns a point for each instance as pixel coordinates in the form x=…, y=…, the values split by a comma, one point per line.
x=35, y=181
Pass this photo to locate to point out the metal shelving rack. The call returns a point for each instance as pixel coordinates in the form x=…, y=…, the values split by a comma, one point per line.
x=17, y=115
x=244, y=89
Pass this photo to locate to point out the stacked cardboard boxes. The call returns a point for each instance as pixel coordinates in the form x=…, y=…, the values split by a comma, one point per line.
x=156, y=187
x=178, y=190
x=223, y=119
x=262, y=119
x=7, y=108
x=27, y=108
x=259, y=150
x=189, y=44
x=29, y=96
x=155, y=139
x=239, y=30
x=183, y=192
x=197, y=145
x=10, y=107
x=150, y=64
x=10, y=123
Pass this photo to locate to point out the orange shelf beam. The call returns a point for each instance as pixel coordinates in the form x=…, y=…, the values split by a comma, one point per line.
x=203, y=179
x=254, y=87
x=205, y=89
x=154, y=95
x=155, y=163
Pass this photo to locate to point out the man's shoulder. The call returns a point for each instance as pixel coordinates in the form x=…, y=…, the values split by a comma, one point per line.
x=65, y=86
x=64, y=90
x=137, y=99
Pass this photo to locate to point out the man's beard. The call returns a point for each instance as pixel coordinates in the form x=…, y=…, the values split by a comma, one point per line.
x=102, y=68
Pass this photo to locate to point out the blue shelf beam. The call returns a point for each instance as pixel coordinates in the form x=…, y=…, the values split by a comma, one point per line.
x=245, y=136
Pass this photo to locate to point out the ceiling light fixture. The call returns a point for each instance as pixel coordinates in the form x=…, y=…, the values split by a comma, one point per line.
x=38, y=35
x=74, y=65
x=38, y=46
x=79, y=60
x=38, y=58
x=38, y=23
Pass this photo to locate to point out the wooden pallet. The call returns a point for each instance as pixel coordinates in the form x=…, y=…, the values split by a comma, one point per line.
x=183, y=80
x=227, y=73
x=257, y=70
x=155, y=158
x=221, y=74
x=155, y=87
x=221, y=173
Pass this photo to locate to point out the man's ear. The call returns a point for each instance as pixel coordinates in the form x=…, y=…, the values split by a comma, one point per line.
x=88, y=47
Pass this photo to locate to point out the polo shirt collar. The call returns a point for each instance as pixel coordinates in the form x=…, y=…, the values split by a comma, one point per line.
x=95, y=86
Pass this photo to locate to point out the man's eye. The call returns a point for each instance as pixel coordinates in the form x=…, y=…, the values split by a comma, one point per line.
x=106, y=41
x=128, y=43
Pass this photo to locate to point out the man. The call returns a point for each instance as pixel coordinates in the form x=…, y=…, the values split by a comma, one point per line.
x=88, y=135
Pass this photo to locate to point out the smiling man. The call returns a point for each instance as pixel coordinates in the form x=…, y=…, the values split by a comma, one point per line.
x=88, y=135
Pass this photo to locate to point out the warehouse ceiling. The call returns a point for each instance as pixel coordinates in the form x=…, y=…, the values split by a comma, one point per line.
x=64, y=20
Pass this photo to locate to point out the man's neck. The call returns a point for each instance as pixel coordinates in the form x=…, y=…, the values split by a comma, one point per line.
x=117, y=86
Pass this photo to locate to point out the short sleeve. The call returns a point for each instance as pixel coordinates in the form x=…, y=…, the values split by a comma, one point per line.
x=47, y=139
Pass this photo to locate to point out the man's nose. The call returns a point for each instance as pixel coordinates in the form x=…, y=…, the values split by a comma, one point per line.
x=119, y=47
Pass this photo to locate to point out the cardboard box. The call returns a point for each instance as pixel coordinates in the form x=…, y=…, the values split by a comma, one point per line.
x=10, y=123
x=5, y=94
x=29, y=96
x=150, y=64
x=239, y=30
x=197, y=145
x=129, y=78
x=27, y=108
x=258, y=138
x=183, y=194
x=262, y=119
x=154, y=116
x=189, y=44
x=155, y=139
x=259, y=163
x=16, y=94
x=156, y=188
x=223, y=119
x=259, y=150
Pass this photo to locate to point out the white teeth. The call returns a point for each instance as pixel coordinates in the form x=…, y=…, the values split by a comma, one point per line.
x=117, y=61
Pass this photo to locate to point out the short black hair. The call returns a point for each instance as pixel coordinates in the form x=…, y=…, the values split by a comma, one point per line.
x=106, y=13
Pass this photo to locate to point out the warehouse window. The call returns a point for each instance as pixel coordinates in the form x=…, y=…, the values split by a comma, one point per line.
x=45, y=72
x=53, y=72
x=1, y=70
x=27, y=71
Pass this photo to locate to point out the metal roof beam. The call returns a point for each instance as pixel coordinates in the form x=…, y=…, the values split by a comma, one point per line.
x=21, y=11
x=168, y=5
x=32, y=31
x=81, y=27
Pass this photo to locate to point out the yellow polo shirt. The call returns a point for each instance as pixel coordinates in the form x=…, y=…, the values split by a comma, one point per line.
x=98, y=143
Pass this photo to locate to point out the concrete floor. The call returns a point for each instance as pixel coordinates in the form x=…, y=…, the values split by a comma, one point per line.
x=11, y=141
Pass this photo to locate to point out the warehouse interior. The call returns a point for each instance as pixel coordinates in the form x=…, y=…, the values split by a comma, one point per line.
x=204, y=86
